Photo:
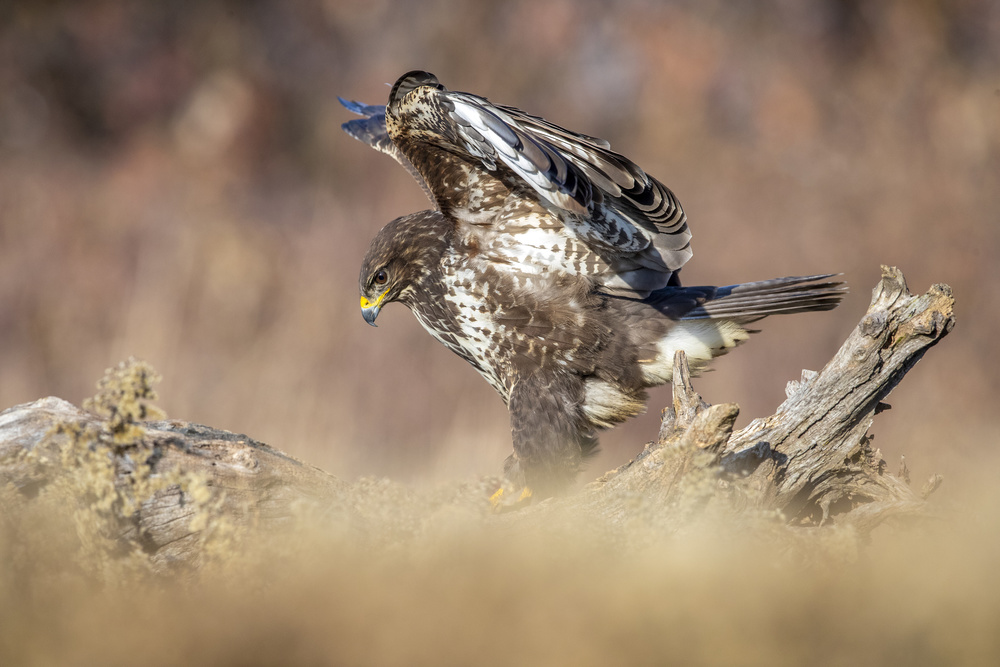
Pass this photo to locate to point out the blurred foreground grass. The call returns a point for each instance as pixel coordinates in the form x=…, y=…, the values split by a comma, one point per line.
x=434, y=579
x=458, y=594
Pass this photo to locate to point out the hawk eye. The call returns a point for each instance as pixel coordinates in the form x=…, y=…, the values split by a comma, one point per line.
x=381, y=277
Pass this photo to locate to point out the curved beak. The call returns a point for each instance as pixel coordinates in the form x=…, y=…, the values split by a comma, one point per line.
x=370, y=313
x=369, y=309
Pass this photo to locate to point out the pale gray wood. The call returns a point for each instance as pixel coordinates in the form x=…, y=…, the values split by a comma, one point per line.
x=811, y=460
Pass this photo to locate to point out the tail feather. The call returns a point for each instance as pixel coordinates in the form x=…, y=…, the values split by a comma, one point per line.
x=749, y=302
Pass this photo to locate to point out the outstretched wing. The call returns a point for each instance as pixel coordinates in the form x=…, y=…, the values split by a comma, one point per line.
x=371, y=130
x=565, y=200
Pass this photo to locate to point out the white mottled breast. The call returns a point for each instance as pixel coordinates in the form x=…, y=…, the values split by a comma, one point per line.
x=464, y=311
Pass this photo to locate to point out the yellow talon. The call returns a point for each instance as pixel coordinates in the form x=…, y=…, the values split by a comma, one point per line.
x=495, y=498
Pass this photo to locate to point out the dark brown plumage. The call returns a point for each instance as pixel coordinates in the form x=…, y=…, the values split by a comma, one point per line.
x=550, y=264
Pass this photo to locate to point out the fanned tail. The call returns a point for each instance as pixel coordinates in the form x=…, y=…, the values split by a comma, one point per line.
x=748, y=302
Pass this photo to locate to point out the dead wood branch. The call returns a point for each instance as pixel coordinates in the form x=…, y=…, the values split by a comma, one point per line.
x=811, y=460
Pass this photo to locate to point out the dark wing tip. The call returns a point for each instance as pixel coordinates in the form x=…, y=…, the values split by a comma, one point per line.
x=411, y=80
x=366, y=110
x=370, y=131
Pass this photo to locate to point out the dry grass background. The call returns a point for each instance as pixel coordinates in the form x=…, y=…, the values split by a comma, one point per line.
x=174, y=185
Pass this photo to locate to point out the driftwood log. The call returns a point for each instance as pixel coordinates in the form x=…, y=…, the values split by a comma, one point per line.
x=809, y=464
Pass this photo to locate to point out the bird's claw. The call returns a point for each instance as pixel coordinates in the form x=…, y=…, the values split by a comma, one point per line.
x=500, y=504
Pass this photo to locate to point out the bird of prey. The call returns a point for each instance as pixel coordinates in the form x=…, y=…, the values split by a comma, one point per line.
x=550, y=263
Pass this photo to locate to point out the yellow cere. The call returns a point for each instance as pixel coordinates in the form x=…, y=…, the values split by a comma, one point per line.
x=365, y=303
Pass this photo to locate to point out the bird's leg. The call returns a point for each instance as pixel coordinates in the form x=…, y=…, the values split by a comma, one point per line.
x=545, y=435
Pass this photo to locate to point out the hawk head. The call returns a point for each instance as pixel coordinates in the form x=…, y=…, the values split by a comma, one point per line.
x=400, y=259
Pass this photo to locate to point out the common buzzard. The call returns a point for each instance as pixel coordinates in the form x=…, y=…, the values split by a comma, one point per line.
x=550, y=264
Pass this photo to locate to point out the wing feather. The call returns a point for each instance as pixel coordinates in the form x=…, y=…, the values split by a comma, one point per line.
x=476, y=158
x=371, y=130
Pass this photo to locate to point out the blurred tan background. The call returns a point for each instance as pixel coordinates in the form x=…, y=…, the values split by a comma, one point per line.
x=174, y=185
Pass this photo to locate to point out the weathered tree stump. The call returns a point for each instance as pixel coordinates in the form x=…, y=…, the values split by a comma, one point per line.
x=162, y=487
x=811, y=460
